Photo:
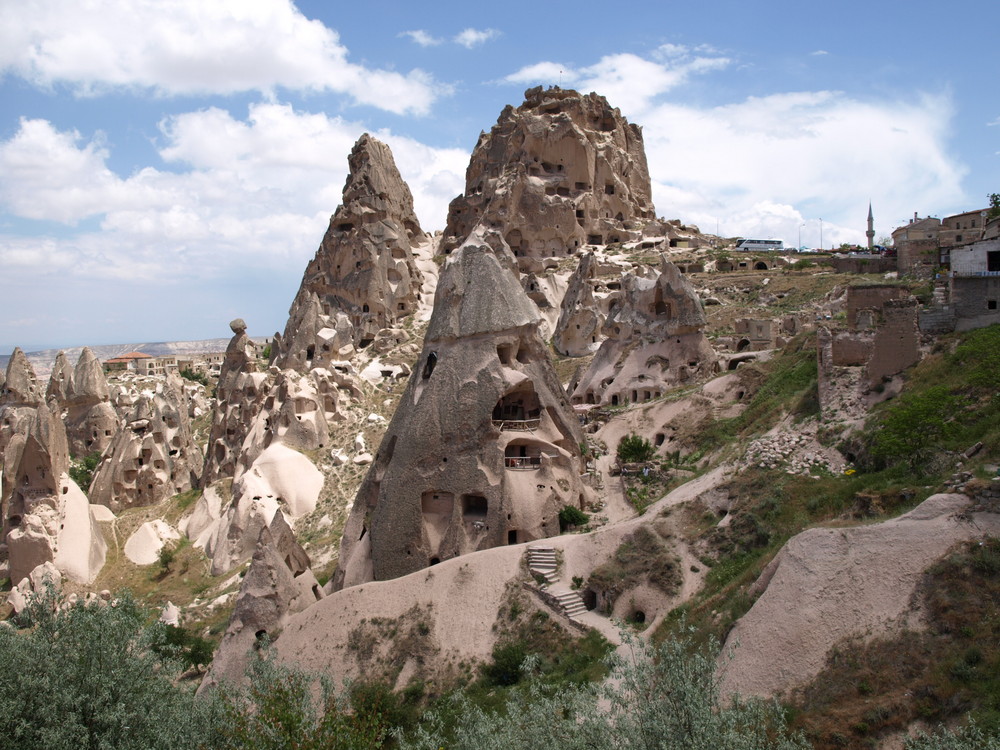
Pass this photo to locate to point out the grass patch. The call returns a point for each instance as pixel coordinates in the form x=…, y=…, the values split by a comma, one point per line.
x=643, y=557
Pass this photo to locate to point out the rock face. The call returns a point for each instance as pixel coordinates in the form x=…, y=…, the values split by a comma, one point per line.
x=280, y=481
x=239, y=394
x=364, y=277
x=826, y=585
x=153, y=457
x=655, y=339
x=60, y=380
x=47, y=515
x=277, y=585
x=578, y=331
x=483, y=449
x=561, y=171
x=91, y=421
x=19, y=387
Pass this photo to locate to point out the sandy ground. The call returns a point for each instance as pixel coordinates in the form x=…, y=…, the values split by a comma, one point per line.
x=829, y=584
x=465, y=593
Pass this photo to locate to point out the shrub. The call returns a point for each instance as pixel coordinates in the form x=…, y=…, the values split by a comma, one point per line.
x=664, y=696
x=82, y=470
x=195, y=377
x=635, y=449
x=571, y=516
x=87, y=675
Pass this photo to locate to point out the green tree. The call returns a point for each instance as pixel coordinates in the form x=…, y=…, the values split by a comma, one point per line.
x=635, y=448
x=570, y=515
x=82, y=470
x=288, y=709
x=87, y=676
x=994, y=199
x=665, y=697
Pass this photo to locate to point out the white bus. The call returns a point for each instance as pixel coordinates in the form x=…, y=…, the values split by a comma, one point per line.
x=757, y=245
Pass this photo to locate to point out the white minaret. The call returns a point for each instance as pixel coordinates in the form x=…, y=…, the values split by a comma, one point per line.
x=871, y=227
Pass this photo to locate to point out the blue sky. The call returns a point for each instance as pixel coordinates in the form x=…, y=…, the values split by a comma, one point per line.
x=168, y=166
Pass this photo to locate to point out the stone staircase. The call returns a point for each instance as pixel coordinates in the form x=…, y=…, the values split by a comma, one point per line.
x=542, y=561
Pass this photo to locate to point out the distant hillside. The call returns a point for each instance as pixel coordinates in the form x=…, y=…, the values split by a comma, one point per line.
x=43, y=360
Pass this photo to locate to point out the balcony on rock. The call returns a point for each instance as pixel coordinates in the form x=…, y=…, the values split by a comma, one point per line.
x=518, y=410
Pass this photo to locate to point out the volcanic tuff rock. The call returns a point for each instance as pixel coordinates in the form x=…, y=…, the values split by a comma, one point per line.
x=239, y=394
x=60, y=380
x=483, y=449
x=91, y=420
x=19, y=387
x=154, y=456
x=561, y=171
x=277, y=584
x=578, y=331
x=48, y=516
x=655, y=339
x=363, y=277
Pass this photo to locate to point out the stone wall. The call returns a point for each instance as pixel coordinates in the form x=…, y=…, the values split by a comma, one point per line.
x=896, y=344
x=918, y=258
x=976, y=300
x=869, y=297
x=854, y=264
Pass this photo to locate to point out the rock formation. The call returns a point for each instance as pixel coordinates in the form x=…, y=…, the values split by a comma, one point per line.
x=153, y=457
x=60, y=380
x=655, y=340
x=18, y=401
x=561, y=171
x=280, y=481
x=826, y=585
x=239, y=395
x=47, y=514
x=578, y=331
x=483, y=449
x=19, y=387
x=277, y=584
x=91, y=421
x=363, y=277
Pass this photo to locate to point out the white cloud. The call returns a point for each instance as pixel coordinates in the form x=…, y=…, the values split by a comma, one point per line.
x=748, y=164
x=242, y=194
x=627, y=81
x=470, y=38
x=421, y=37
x=187, y=47
x=819, y=53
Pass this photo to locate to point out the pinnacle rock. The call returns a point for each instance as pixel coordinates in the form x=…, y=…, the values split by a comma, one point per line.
x=364, y=277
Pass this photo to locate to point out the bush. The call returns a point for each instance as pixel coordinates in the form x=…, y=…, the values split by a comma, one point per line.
x=635, y=449
x=571, y=516
x=87, y=676
x=195, y=377
x=82, y=470
x=664, y=697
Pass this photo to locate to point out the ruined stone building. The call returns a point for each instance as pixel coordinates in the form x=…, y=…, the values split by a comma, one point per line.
x=483, y=449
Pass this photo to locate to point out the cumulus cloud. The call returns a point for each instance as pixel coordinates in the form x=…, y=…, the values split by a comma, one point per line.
x=629, y=81
x=188, y=47
x=470, y=38
x=421, y=37
x=254, y=192
x=772, y=163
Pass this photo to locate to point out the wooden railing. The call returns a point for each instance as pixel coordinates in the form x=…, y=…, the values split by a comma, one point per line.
x=527, y=463
x=521, y=425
